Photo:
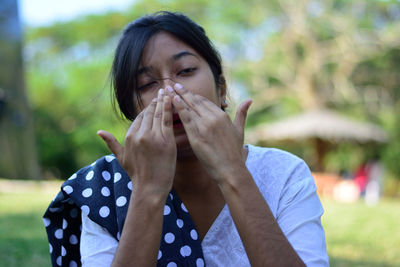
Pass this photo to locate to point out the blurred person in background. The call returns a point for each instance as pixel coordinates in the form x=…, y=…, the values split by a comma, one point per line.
x=183, y=190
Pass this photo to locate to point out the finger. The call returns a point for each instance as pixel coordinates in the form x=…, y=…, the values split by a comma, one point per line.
x=148, y=115
x=159, y=109
x=188, y=97
x=186, y=114
x=207, y=107
x=167, y=120
x=135, y=125
x=241, y=115
x=112, y=143
x=170, y=91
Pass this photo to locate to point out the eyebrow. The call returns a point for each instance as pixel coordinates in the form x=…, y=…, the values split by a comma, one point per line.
x=182, y=54
x=142, y=70
x=174, y=58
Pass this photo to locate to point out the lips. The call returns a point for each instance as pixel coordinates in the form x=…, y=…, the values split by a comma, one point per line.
x=177, y=123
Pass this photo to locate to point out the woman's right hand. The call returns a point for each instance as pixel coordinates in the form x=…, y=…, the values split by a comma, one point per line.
x=149, y=155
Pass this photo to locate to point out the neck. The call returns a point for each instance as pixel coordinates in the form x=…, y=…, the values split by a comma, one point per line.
x=191, y=177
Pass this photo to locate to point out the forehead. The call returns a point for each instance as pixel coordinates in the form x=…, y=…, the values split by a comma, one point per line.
x=163, y=46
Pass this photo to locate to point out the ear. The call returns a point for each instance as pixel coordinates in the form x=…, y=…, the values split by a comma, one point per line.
x=222, y=91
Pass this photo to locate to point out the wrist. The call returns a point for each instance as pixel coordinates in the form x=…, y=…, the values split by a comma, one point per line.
x=149, y=197
x=233, y=178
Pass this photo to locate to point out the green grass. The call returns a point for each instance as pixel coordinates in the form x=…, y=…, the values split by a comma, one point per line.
x=360, y=235
x=23, y=240
x=357, y=235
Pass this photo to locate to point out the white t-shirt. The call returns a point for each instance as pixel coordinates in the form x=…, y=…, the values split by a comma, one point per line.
x=288, y=187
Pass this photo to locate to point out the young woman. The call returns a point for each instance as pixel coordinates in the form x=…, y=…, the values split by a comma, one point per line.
x=183, y=190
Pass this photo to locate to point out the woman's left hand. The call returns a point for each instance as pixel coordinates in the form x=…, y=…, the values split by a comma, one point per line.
x=215, y=140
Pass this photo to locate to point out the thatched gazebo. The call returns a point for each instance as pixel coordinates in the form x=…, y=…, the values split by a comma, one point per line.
x=320, y=125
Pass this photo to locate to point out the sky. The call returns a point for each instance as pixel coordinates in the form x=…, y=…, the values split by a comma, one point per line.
x=44, y=12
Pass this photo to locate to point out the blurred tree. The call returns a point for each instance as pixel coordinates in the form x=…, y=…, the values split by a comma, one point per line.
x=18, y=157
x=287, y=55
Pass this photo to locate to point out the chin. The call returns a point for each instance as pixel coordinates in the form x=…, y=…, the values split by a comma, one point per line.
x=186, y=153
x=183, y=148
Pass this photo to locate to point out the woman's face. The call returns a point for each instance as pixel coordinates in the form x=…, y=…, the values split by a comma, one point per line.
x=167, y=60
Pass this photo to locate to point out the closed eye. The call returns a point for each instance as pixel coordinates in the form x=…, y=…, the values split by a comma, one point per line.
x=147, y=85
x=186, y=71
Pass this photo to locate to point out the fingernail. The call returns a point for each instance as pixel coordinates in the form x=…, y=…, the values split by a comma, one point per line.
x=102, y=137
x=178, y=86
x=160, y=93
x=169, y=88
x=177, y=98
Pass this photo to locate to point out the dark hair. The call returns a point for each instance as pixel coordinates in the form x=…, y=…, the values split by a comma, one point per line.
x=133, y=41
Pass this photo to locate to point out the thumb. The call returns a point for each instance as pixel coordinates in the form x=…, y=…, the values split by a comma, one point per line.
x=112, y=143
x=241, y=115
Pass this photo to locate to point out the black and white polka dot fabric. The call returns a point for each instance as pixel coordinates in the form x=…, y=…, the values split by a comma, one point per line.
x=102, y=191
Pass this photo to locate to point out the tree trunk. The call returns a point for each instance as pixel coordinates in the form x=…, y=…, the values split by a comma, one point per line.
x=18, y=157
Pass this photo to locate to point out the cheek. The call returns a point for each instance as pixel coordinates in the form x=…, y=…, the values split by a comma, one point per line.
x=205, y=86
x=146, y=98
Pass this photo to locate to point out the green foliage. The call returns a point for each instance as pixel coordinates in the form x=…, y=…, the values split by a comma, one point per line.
x=288, y=56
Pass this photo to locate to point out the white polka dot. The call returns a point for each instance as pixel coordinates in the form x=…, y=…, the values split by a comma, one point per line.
x=90, y=175
x=130, y=185
x=74, y=213
x=53, y=209
x=94, y=163
x=73, y=264
x=50, y=248
x=105, y=191
x=169, y=238
x=73, y=176
x=109, y=158
x=73, y=240
x=87, y=192
x=167, y=210
x=65, y=224
x=68, y=189
x=121, y=201
x=159, y=255
x=46, y=222
x=186, y=251
x=85, y=210
x=171, y=196
x=179, y=222
x=172, y=264
x=199, y=262
x=193, y=234
x=183, y=207
x=106, y=175
x=104, y=211
x=117, y=177
x=63, y=251
x=58, y=261
x=118, y=236
x=58, y=233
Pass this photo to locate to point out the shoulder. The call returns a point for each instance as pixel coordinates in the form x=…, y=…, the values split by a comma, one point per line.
x=276, y=163
x=278, y=173
x=95, y=181
x=105, y=170
x=102, y=191
x=101, y=167
x=272, y=156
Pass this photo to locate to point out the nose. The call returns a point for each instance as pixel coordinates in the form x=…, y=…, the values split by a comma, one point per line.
x=167, y=81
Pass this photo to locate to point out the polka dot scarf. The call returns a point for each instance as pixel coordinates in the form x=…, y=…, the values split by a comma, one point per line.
x=102, y=192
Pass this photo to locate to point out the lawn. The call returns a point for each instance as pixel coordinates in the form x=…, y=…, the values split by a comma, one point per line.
x=357, y=235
